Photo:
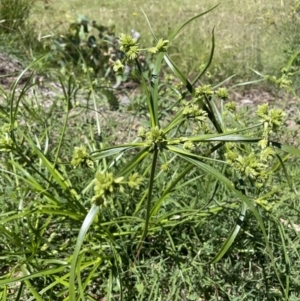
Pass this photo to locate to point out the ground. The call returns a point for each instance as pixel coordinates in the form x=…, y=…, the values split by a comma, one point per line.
x=10, y=68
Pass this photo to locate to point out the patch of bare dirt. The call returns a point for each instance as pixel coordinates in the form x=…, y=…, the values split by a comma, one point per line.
x=10, y=68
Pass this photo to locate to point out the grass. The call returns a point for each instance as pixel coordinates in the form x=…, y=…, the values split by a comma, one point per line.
x=14, y=14
x=247, y=35
x=153, y=201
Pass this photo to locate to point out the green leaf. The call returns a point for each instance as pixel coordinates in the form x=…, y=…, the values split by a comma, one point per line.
x=286, y=148
x=67, y=213
x=232, y=236
x=179, y=74
x=177, y=30
x=29, y=285
x=149, y=198
x=150, y=27
x=63, y=182
x=287, y=175
x=222, y=137
x=177, y=119
x=14, y=106
x=232, y=138
x=134, y=162
x=46, y=272
x=111, y=151
x=247, y=83
x=209, y=60
x=284, y=238
x=291, y=60
x=83, y=230
x=153, y=100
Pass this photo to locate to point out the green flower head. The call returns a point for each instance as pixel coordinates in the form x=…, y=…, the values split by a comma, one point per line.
x=127, y=41
x=118, y=66
x=133, y=52
x=161, y=46
x=250, y=166
x=6, y=143
x=273, y=118
x=231, y=156
x=267, y=154
x=222, y=93
x=231, y=106
x=142, y=132
x=135, y=181
x=156, y=135
x=129, y=46
x=165, y=166
x=204, y=91
x=262, y=110
x=105, y=185
x=81, y=157
x=192, y=110
x=189, y=145
x=277, y=117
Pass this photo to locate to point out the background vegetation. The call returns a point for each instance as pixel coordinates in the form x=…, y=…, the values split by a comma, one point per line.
x=167, y=190
x=256, y=34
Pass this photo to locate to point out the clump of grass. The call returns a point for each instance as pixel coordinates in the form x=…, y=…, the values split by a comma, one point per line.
x=18, y=34
x=14, y=15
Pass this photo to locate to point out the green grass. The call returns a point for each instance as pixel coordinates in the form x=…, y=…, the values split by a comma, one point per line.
x=153, y=201
x=14, y=15
x=248, y=35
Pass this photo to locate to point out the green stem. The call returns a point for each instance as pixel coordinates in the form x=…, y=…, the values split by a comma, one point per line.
x=149, y=198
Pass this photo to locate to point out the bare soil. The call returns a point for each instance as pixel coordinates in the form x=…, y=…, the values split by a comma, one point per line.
x=10, y=68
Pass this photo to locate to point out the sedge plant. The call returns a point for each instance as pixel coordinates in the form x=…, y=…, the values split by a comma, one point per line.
x=246, y=155
x=100, y=219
